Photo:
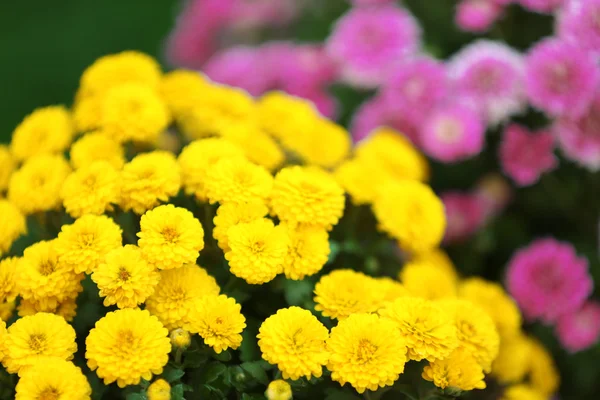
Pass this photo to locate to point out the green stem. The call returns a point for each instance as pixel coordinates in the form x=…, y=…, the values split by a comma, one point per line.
x=178, y=355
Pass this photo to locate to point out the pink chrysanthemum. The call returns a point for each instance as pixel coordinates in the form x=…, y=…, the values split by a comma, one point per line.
x=368, y=42
x=525, y=155
x=490, y=75
x=561, y=78
x=548, y=279
x=465, y=214
x=579, y=22
x=580, y=330
x=477, y=15
x=453, y=132
x=248, y=15
x=304, y=68
x=541, y=6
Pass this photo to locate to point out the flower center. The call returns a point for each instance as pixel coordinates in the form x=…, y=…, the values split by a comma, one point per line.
x=466, y=329
x=125, y=339
x=50, y=393
x=449, y=131
x=123, y=274
x=37, y=343
x=47, y=267
x=88, y=239
x=366, y=351
x=219, y=320
x=258, y=246
x=170, y=234
x=559, y=78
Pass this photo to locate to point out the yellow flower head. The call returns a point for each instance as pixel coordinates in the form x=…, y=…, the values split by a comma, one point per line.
x=410, y=212
x=390, y=289
x=97, y=146
x=307, y=195
x=308, y=251
x=198, y=157
x=457, y=371
x=513, y=359
x=87, y=112
x=66, y=309
x=439, y=259
x=159, y=390
x=326, y=144
x=366, y=351
x=36, y=185
x=427, y=281
x=522, y=392
x=218, y=320
x=427, y=329
x=129, y=337
x=7, y=166
x=6, y=310
x=174, y=297
x=231, y=214
x=286, y=118
x=170, y=237
x=258, y=146
x=47, y=130
x=180, y=339
x=149, y=179
x=279, y=390
x=9, y=276
x=36, y=339
x=257, y=250
x=237, y=181
x=92, y=189
x=12, y=225
x=344, y=292
x=181, y=90
x=543, y=374
x=125, y=278
x=476, y=331
x=53, y=379
x=360, y=180
x=294, y=340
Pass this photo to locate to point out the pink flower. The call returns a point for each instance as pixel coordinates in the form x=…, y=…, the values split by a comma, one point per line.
x=579, y=138
x=304, y=67
x=360, y=3
x=581, y=329
x=252, y=14
x=464, y=215
x=477, y=15
x=453, y=132
x=368, y=42
x=525, y=155
x=561, y=78
x=490, y=75
x=579, y=22
x=548, y=279
x=541, y=6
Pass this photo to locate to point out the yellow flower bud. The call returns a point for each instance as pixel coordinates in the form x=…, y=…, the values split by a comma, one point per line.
x=279, y=390
x=180, y=339
x=159, y=390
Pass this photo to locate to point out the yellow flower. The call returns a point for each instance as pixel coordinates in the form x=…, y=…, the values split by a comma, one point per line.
x=286, y=118
x=97, y=146
x=231, y=214
x=457, y=371
x=36, y=339
x=3, y=337
x=218, y=320
x=159, y=390
x=237, y=181
x=427, y=281
x=182, y=90
x=366, y=351
x=66, y=309
x=36, y=185
x=344, y=292
x=294, y=340
x=522, y=392
x=361, y=180
x=170, y=237
x=87, y=112
x=410, y=212
x=47, y=130
x=307, y=195
x=257, y=250
x=7, y=166
x=199, y=157
x=125, y=278
x=83, y=244
x=476, y=331
x=437, y=258
x=543, y=374
x=308, y=251
x=180, y=339
x=92, y=189
x=53, y=379
x=258, y=147
x=174, y=297
x=427, y=329
x=279, y=390
x=129, y=337
x=133, y=112
x=326, y=144
x=12, y=225
x=6, y=310
x=9, y=275
x=149, y=179
x=390, y=289
x=513, y=359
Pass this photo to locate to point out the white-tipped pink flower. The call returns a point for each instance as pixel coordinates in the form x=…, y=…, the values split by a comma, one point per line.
x=579, y=22
x=477, y=15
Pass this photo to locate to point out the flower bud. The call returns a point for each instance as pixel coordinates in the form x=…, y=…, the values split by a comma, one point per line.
x=180, y=339
x=279, y=390
x=159, y=390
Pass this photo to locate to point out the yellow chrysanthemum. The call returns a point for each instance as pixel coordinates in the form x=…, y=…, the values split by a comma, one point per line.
x=543, y=374
x=237, y=181
x=3, y=337
x=294, y=340
x=12, y=225
x=170, y=237
x=428, y=330
x=426, y=281
x=231, y=214
x=390, y=289
x=437, y=258
x=133, y=112
x=7, y=166
x=97, y=146
x=149, y=179
x=182, y=90
x=159, y=390
x=278, y=390
x=9, y=276
x=174, y=297
x=218, y=320
x=47, y=130
x=307, y=195
x=476, y=331
x=512, y=362
x=258, y=147
x=36, y=185
x=366, y=351
x=199, y=157
x=360, y=180
x=308, y=251
x=92, y=189
x=6, y=310
x=87, y=112
x=257, y=250
x=83, y=244
x=495, y=301
x=66, y=309
x=326, y=144
x=410, y=212
x=36, y=339
x=286, y=118
x=457, y=371
x=125, y=278
x=522, y=392
x=53, y=379
x=344, y=292
x=129, y=337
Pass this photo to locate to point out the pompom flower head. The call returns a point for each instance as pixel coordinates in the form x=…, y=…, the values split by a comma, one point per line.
x=548, y=279
x=421, y=279
x=97, y=146
x=9, y=273
x=308, y=251
x=512, y=363
x=12, y=225
x=522, y=392
x=231, y=214
x=7, y=166
x=53, y=379
x=457, y=371
x=477, y=15
x=578, y=23
x=237, y=181
x=581, y=329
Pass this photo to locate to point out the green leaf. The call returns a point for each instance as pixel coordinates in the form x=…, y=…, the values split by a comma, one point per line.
x=297, y=292
x=194, y=359
x=247, y=396
x=334, y=250
x=340, y=394
x=407, y=390
x=222, y=356
x=249, y=350
x=212, y=372
x=172, y=374
x=177, y=392
x=256, y=370
x=136, y=396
